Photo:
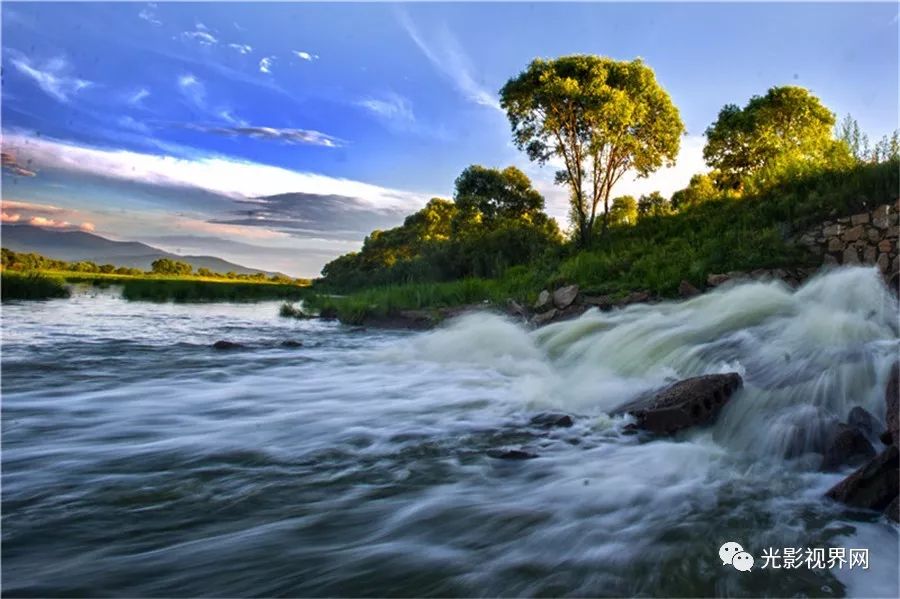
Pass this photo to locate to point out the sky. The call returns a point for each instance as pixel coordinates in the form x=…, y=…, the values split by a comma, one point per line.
x=278, y=135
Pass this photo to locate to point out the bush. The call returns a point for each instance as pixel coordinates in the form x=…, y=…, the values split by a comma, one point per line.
x=31, y=286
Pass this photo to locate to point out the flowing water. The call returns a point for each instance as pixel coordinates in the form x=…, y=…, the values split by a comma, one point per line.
x=139, y=461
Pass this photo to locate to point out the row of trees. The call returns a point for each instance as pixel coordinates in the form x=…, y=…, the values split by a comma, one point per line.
x=162, y=266
x=599, y=119
x=495, y=220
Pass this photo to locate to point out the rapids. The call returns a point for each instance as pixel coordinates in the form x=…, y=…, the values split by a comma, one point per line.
x=138, y=460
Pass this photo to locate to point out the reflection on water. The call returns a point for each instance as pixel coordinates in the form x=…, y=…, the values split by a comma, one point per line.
x=137, y=460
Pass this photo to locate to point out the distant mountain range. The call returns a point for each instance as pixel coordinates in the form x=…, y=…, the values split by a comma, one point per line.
x=74, y=246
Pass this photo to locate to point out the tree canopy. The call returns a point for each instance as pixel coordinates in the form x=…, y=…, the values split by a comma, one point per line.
x=623, y=211
x=600, y=117
x=787, y=126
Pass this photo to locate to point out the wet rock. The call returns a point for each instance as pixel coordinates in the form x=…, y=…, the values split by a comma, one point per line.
x=516, y=309
x=873, y=486
x=685, y=289
x=714, y=280
x=564, y=296
x=635, y=297
x=604, y=302
x=892, y=405
x=544, y=317
x=511, y=454
x=893, y=510
x=291, y=343
x=691, y=402
x=861, y=418
x=226, y=345
x=552, y=419
x=543, y=300
x=849, y=446
x=860, y=219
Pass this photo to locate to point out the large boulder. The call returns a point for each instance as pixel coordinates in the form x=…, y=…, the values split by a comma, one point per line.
x=892, y=405
x=873, y=486
x=691, y=402
x=564, y=296
x=860, y=418
x=544, y=317
x=849, y=446
x=543, y=300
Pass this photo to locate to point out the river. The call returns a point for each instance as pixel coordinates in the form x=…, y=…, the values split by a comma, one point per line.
x=140, y=461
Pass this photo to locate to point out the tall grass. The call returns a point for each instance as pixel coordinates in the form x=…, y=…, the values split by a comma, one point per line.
x=31, y=286
x=188, y=290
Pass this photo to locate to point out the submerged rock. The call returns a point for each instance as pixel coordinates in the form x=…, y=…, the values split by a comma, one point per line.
x=291, y=343
x=565, y=296
x=848, y=446
x=892, y=405
x=511, y=454
x=223, y=345
x=552, y=419
x=863, y=420
x=873, y=486
x=691, y=402
x=545, y=317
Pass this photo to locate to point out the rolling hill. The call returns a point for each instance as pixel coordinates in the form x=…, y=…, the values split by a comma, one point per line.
x=74, y=246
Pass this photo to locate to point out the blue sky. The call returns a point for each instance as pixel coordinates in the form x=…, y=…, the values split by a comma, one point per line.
x=177, y=123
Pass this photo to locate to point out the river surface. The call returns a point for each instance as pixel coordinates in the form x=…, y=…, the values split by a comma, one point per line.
x=138, y=460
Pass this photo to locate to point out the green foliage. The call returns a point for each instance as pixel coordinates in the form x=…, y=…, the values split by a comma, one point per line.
x=289, y=310
x=167, y=266
x=785, y=134
x=496, y=221
x=31, y=285
x=194, y=290
x=653, y=205
x=601, y=117
x=887, y=148
x=700, y=189
x=624, y=211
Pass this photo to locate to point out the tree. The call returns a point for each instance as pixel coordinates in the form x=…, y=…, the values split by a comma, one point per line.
x=167, y=266
x=652, y=205
x=600, y=117
x=489, y=195
x=787, y=126
x=623, y=211
x=700, y=189
x=848, y=131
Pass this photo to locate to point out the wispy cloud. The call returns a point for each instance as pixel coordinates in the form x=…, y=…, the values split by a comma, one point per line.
x=11, y=165
x=192, y=89
x=241, y=48
x=133, y=124
x=288, y=136
x=442, y=49
x=148, y=13
x=390, y=107
x=305, y=55
x=221, y=175
x=265, y=65
x=204, y=38
x=51, y=76
x=137, y=98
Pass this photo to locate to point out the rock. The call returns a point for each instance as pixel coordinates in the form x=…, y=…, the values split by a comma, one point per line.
x=848, y=447
x=874, y=485
x=893, y=510
x=892, y=404
x=886, y=246
x=863, y=420
x=853, y=233
x=544, y=317
x=691, y=402
x=564, y=296
x=516, y=309
x=860, y=219
x=883, y=262
x=881, y=216
x=851, y=256
x=224, y=345
x=828, y=259
x=552, y=419
x=685, y=289
x=604, y=302
x=635, y=297
x=832, y=230
x=835, y=245
x=291, y=343
x=511, y=454
x=714, y=280
x=543, y=300
x=869, y=254
x=873, y=234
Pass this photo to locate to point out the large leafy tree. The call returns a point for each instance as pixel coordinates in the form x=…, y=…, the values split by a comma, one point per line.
x=600, y=118
x=787, y=126
x=623, y=211
x=487, y=196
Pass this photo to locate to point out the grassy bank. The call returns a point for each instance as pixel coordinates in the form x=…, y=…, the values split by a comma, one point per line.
x=31, y=286
x=719, y=235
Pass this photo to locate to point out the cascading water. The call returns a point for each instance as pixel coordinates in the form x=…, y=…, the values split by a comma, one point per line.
x=138, y=460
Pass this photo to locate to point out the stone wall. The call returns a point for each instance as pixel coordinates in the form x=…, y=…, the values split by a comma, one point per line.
x=864, y=238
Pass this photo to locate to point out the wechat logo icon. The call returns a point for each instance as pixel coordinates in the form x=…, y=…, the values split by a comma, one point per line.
x=732, y=554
